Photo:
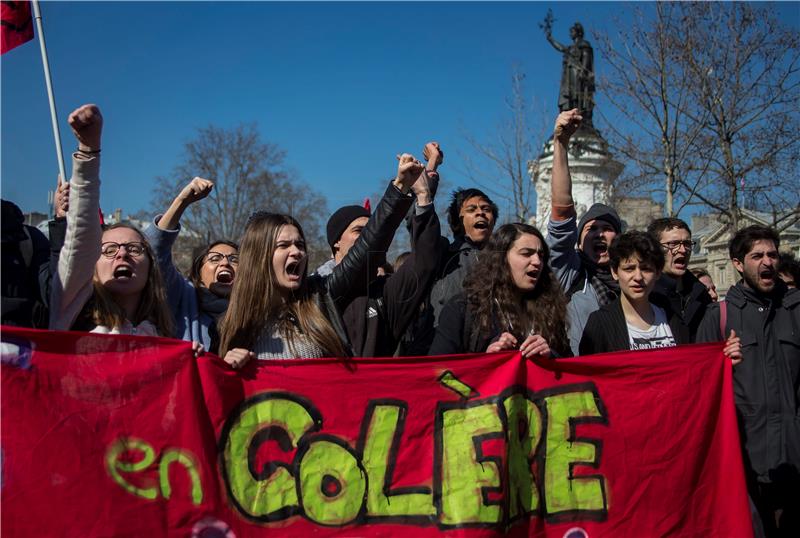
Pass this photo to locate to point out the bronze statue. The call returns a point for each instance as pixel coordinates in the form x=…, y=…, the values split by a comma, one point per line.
x=577, y=73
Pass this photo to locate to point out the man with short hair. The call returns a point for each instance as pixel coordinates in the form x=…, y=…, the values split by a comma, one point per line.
x=687, y=296
x=584, y=273
x=765, y=314
x=472, y=216
x=705, y=279
x=379, y=312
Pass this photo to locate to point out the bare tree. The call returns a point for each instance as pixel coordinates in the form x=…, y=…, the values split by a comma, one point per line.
x=501, y=168
x=745, y=65
x=249, y=175
x=709, y=95
x=647, y=88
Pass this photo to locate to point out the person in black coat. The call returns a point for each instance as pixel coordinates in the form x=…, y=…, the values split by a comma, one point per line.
x=511, y=300
x=686, y=295
x=637, y=320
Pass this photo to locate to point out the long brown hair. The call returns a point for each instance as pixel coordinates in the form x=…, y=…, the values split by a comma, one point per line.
x=256, y=299
x=493, y=298
x=152, y=300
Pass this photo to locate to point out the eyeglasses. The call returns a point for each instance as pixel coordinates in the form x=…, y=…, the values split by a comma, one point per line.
x=215, y=258
x=673, y=246
x=109, y=249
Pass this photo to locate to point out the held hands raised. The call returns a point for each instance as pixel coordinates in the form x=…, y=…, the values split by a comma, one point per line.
x=87, y=126
x=433, y=154
x=408, y=171
x=566, y=125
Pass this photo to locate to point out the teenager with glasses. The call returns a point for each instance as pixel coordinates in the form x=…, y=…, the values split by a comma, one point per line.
x=686, y=295
x=200, y=299
x=107, y=279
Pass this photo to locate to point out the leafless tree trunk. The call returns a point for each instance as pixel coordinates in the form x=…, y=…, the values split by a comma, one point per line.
x=499, y=165
x=708, y=94
x=248, y=175
x=745, y=66
x=648, y=90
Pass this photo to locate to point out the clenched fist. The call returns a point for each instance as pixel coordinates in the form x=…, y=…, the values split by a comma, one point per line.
x=566, y=125
x=87, y=126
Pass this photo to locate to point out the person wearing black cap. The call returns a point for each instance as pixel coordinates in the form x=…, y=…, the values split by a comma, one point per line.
x=380, y=311
x=584, y=273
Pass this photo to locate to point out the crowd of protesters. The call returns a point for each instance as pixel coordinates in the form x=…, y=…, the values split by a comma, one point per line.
x=584, y=288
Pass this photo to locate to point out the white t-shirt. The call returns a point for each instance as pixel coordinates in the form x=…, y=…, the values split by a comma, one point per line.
x=658, y=335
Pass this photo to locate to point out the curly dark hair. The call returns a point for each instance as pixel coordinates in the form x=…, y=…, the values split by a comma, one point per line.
x=457, y=199
x=493, y=298
x=635, y=243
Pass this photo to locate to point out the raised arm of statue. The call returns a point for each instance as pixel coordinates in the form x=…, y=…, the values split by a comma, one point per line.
x=556, y=45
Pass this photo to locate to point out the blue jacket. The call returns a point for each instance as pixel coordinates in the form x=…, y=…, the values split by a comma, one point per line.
x=191, y=323
x=562, y=236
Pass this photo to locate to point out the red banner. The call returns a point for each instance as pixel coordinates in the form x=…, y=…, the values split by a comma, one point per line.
x=129, y=436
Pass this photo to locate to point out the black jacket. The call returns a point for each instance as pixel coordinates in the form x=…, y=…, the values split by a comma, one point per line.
x=455, y=261
x=766, y=384
x=458, y=331
x=376, y=319
x=687, y=297
x=25, y=272
x=606, y=329
x=335, y=292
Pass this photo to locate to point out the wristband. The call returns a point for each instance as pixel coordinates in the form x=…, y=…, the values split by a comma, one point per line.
x=89, y=152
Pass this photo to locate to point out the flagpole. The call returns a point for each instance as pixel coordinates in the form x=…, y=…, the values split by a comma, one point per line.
x=37, y=15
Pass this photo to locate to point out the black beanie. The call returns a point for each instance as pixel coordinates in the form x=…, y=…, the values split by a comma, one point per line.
x=341, y=219
x=601, y=212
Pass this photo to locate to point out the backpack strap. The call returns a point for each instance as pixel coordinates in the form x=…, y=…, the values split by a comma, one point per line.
x=723, y=317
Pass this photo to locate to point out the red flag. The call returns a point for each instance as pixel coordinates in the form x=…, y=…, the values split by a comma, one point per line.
x=17, y=25
x=367, y=205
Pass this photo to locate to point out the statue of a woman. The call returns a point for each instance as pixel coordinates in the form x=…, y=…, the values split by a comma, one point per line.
x=577, y=73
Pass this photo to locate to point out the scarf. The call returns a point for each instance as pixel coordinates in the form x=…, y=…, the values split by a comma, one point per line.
x=211, y=304
x=601, y=280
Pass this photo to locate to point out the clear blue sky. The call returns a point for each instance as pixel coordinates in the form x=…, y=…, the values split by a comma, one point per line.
x=342, y=87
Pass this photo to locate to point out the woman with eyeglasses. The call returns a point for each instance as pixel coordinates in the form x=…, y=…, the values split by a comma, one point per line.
x=107, y=279
x=511, y=300
x=199, y=300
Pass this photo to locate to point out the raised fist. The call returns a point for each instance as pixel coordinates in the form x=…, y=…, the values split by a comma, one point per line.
x=566, y=125
x=197, y=189
x=432, y=152
x=87, y=126
x=408, y=170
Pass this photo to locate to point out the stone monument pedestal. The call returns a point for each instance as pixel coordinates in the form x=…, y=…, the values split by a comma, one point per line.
x=592, y=168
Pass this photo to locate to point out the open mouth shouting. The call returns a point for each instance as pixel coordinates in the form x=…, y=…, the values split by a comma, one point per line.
x=225, y=276
x=680, y=262
x=767, y=277
x=123, y=273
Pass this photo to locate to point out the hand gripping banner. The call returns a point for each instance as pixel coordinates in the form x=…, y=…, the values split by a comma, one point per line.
x=130, y=436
